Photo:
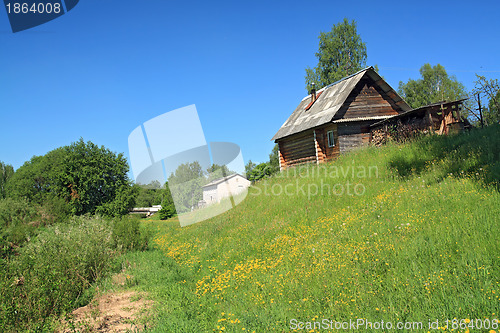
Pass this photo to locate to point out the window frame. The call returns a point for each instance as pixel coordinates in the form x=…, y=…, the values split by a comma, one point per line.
x=330, y=144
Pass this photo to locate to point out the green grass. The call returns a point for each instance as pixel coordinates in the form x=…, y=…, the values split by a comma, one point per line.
x=421, y=242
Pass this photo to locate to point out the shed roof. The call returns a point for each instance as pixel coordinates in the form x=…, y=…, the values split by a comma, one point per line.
x=330, y=101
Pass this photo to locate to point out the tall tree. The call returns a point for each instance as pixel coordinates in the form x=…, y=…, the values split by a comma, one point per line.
x=493, y=115
x=249, y=167
x=6, y=172
x=489, y=93
x=274, y=159
x=216, y=171
x=435, y=85
x=186, y=184
x=341, y=53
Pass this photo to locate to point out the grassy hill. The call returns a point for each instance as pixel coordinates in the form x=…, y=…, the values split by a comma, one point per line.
x=405, y=233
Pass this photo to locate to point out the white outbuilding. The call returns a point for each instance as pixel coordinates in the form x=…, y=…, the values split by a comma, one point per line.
x=225, y=187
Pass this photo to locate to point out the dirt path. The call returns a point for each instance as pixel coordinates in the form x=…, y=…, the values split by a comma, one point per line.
x=111, y=312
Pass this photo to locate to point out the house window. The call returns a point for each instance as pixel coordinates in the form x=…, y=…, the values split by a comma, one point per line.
x=331, y=139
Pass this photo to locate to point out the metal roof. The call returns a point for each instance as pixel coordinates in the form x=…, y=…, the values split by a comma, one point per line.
x=330, y=101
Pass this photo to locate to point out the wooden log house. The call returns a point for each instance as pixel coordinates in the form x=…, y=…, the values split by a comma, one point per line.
x=337, y=118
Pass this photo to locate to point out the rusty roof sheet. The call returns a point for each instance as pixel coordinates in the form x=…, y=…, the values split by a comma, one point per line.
x=330, y=101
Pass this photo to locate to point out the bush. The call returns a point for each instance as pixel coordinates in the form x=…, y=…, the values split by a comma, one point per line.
x=53, y=270
x=261, y=171
x=20, y=220
x=128, y=235
x=166, y=212
x=16, y=227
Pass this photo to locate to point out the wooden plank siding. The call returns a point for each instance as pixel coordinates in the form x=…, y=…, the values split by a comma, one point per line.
x=303, y=148
x=353, y=135
x=367, y=100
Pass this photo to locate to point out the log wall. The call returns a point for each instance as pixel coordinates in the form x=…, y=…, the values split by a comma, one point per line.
x=326, y=153
x=297, y=149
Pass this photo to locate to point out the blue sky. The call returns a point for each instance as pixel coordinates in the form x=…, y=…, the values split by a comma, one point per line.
x=103, y=69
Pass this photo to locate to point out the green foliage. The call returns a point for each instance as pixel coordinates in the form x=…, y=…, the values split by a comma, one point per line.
x=15, y=212
x=216, y=172
x=435, y=85
x=493, y=113
x=16, y=224
x=166, y=196
x=20, y=221
x=128, y=235
x=87, y=177
x=186, y=172
x=249, y=167
x=186, y=185
x=223, y=169
x=488, y=91
x=166, y=212
x=120, y=205
x=39, y=177
x=53, y=270
x=6, y=172
x=341, y=53
x=148, y=196
x=261, y=171
x=254, y=172
x=274, y=159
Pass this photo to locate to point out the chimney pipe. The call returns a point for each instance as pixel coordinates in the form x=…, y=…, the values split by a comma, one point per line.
x=313, y=93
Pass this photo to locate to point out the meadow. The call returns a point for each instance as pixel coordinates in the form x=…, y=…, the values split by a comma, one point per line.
x=401, y=234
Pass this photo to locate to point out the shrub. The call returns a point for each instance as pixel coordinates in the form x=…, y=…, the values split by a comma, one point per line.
x=166, y=212
x=261, y=171
x=16, y=225
x=128, y=234
x=20, y=220
x=54, y=269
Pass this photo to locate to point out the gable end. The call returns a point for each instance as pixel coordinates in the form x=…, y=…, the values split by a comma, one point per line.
x=368, y=100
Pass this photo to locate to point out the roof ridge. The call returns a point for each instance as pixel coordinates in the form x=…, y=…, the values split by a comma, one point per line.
x=348, y=77
x=222, y=179
x=342, y=79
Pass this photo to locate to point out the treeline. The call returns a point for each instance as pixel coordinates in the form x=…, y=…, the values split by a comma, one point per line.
x=184, y=185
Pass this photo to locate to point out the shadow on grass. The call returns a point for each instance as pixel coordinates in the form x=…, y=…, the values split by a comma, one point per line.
x=474, y=154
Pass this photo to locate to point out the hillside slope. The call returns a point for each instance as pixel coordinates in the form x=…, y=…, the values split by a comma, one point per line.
x=399, y=233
